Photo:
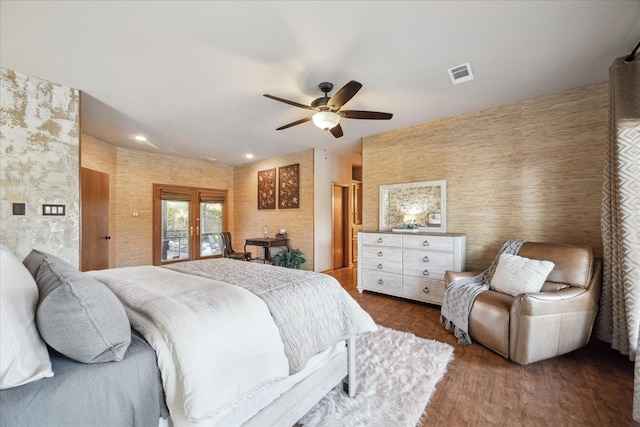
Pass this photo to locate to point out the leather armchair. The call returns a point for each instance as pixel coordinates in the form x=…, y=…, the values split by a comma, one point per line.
x=537, y=326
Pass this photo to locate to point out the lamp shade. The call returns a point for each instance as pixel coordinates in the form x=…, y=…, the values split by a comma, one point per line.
x=409, y=218
x=326, y=120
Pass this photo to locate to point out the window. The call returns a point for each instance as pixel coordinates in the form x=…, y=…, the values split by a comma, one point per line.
x=187, y=223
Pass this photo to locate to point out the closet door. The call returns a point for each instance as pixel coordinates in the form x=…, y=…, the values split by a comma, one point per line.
x=94, y=254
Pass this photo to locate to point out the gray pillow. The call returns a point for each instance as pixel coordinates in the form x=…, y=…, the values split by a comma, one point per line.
x=77, y=315
x=33, y=261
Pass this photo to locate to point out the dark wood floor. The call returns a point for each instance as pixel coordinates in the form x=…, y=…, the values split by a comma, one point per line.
x=592, y=386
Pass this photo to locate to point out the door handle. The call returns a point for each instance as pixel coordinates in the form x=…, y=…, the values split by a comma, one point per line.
x=107, y=237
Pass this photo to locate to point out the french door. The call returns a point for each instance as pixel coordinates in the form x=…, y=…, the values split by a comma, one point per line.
x=187, y=223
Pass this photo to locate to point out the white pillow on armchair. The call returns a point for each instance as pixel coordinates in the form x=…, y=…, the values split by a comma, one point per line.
x=518, y=275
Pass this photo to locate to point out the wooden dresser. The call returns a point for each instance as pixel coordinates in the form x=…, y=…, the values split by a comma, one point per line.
x=409, y=264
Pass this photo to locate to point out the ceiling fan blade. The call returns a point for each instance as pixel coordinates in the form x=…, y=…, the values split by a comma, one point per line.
x=343, y=96
x=336, y=131
x=297, y=122
x=286, y=101
x=370, y=115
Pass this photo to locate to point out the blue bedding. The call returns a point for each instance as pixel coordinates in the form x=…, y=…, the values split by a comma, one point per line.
x=125, y=393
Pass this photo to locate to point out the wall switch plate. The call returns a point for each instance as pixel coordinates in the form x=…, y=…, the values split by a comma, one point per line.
x=19, y=208
x=57, y=210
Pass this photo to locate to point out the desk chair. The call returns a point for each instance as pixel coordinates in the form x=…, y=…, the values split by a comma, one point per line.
x=229, y=252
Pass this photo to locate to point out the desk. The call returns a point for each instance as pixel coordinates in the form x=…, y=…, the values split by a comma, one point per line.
x=266, y=243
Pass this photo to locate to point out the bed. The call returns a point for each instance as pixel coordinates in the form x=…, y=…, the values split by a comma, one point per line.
x=224, y=342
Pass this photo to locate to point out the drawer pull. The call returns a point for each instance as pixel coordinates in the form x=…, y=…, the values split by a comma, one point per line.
x=426, y=290
x=379, y=239
x=379, y=266
x=380, y=253
x=425, y=273
x=425, y=259
x=380, y=282
x=425, y=243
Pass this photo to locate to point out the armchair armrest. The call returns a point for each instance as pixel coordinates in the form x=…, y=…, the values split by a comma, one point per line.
x=451, y=276
x=571, y=299
x=548, y=324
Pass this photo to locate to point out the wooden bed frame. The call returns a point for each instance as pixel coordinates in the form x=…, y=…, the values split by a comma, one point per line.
x=298, y=400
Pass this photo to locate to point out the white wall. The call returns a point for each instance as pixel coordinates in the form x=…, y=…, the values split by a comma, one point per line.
x=322, y=167
x=328, y=169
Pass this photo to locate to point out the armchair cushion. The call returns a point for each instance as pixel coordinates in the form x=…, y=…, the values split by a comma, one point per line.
x=517, y=275
x=553, y=286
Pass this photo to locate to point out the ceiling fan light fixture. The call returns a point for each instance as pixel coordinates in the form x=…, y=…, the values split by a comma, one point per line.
x=326, y=120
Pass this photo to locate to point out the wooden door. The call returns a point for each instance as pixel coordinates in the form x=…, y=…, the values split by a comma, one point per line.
x=95, y=220
x=340, y=211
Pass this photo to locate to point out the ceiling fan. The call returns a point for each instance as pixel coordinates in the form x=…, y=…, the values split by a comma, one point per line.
x=327, y=109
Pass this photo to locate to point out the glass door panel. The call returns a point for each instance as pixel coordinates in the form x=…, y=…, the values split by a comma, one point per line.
x=187, y=222
x=210, y=228
x=175, y=230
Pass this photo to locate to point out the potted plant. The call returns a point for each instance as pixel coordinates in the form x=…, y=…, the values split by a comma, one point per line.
x=289, y=259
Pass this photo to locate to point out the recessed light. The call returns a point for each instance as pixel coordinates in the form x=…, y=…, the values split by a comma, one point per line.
x=140, y=138
x=249, y=156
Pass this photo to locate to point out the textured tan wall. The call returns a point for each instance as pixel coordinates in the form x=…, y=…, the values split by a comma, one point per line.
x=135, y=173
x=39, y=144
x=530, y=169
x=297, y=222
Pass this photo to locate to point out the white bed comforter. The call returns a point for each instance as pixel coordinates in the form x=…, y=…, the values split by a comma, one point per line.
x=215, y=342
x=220, y=338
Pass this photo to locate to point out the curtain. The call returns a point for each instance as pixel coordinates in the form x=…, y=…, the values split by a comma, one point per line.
x=619, y=315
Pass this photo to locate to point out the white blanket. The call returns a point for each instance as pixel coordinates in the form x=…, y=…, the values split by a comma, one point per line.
x=215, y=342
x=229, y=328
x=311, y=310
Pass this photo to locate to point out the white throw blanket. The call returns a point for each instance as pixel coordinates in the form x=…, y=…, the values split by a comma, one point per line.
x=312, y=310
x=460, y=295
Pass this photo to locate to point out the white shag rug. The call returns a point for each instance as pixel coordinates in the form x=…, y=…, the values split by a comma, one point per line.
x=397, y=374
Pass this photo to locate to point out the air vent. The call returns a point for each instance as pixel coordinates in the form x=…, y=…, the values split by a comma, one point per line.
x=208, y=159
x=461, y=73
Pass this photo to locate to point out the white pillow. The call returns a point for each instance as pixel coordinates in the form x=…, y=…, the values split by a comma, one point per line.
x=517, y=275
x=23, y=354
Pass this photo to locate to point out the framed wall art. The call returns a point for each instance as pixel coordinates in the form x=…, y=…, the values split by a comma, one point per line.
x=289, y=187
x=267, y=189
x=414, y=206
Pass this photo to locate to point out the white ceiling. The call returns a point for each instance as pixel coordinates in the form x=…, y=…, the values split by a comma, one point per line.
x=189, y=75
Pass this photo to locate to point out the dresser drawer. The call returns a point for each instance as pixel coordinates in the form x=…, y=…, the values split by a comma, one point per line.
x=381, y=239
x=381, y=258
x=432, y=243
x=426, y=264
x=423, y=289
x=380, y=281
